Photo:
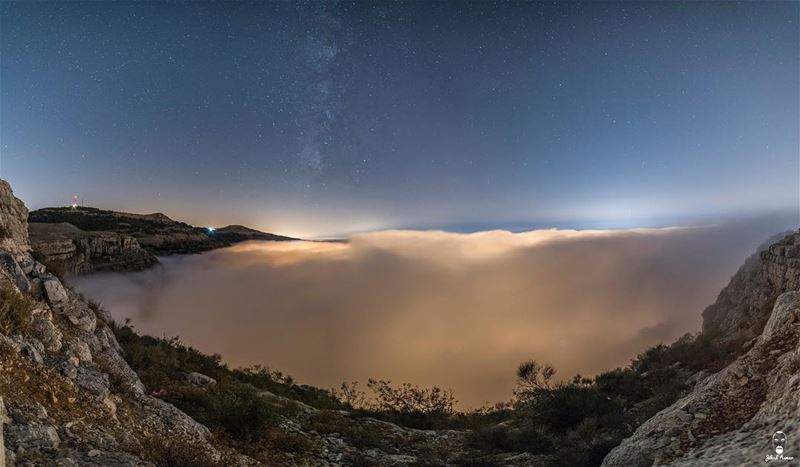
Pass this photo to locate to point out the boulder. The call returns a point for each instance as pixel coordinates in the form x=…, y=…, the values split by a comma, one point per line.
x=10, y=267
x=55, y=291
x=44, y=329
x=33, y=436
x=199, y=379
x=93, y=381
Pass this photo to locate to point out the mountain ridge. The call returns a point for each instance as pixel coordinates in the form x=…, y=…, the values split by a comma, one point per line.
x=104, y=240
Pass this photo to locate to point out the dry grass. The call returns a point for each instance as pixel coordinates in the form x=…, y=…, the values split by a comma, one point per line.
x=15, y=310
x=24, y=382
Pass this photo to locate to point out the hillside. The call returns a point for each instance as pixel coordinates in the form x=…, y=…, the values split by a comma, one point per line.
x=75, y=251
x=240, y=233
x=155, y=232
x=86, y=239
x=78, y=389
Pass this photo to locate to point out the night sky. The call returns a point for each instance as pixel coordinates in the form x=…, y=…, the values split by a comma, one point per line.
x=329, y=118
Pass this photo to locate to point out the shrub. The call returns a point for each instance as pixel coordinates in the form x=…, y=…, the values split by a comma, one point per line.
x=526, y=437
x=3, y=232
x=349, y=395
x=590, y=415
x=232, y=407
x=411, y=399
x=171, y=453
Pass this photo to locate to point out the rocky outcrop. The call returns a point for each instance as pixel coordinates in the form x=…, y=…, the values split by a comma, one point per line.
x=78, y=251
x=156, y=233
x=68, y=396
x=745, y=304
x=730, y=417
x=13, y=221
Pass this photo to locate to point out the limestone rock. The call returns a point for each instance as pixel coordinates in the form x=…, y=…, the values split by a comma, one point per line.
x=55, y=291
x=199, y=379
x=3, y=420
x=33, y=436
x=743, y=306
x=78, y=251
x=12, y=270
x=13, y=220
x=44, y=330
x=736, y=410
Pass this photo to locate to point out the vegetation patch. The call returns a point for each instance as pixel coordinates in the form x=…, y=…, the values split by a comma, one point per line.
x=15, y=310
x=591, y=415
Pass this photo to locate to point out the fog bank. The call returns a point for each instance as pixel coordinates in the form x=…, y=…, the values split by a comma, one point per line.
x=437, y=308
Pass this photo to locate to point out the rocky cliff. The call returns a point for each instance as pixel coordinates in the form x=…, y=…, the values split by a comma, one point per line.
x=730, y=416
x=67, y=396
x=13, y=217
x=156, y=233
x=745, y=304
x=77, y=251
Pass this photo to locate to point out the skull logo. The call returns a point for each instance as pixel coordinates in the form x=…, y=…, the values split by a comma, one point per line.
x=779, y=442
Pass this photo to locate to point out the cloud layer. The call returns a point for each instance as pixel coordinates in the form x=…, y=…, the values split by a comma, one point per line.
x=436, y=308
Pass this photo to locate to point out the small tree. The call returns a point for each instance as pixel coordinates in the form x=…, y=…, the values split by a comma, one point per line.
x=533, y=377
x=410, y=399
x=349, y=395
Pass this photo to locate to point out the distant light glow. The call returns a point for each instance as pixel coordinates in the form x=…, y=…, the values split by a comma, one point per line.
x=211, y=230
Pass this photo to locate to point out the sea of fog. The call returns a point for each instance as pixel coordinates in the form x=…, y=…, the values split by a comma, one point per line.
x=436, y=308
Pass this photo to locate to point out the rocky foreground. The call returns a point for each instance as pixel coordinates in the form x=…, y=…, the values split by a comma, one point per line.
x=730, y=416
x=78, y=390
x=82, y=239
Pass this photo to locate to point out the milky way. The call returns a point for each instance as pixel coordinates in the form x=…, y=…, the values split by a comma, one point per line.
x=331, y=117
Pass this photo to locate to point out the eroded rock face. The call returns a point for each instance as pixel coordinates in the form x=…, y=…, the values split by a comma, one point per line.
x=744, y=305
x=729, y=418
x=156, y=233
x=72, y=398
x=13, y=220
x=80, y=252
x=3, y=420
